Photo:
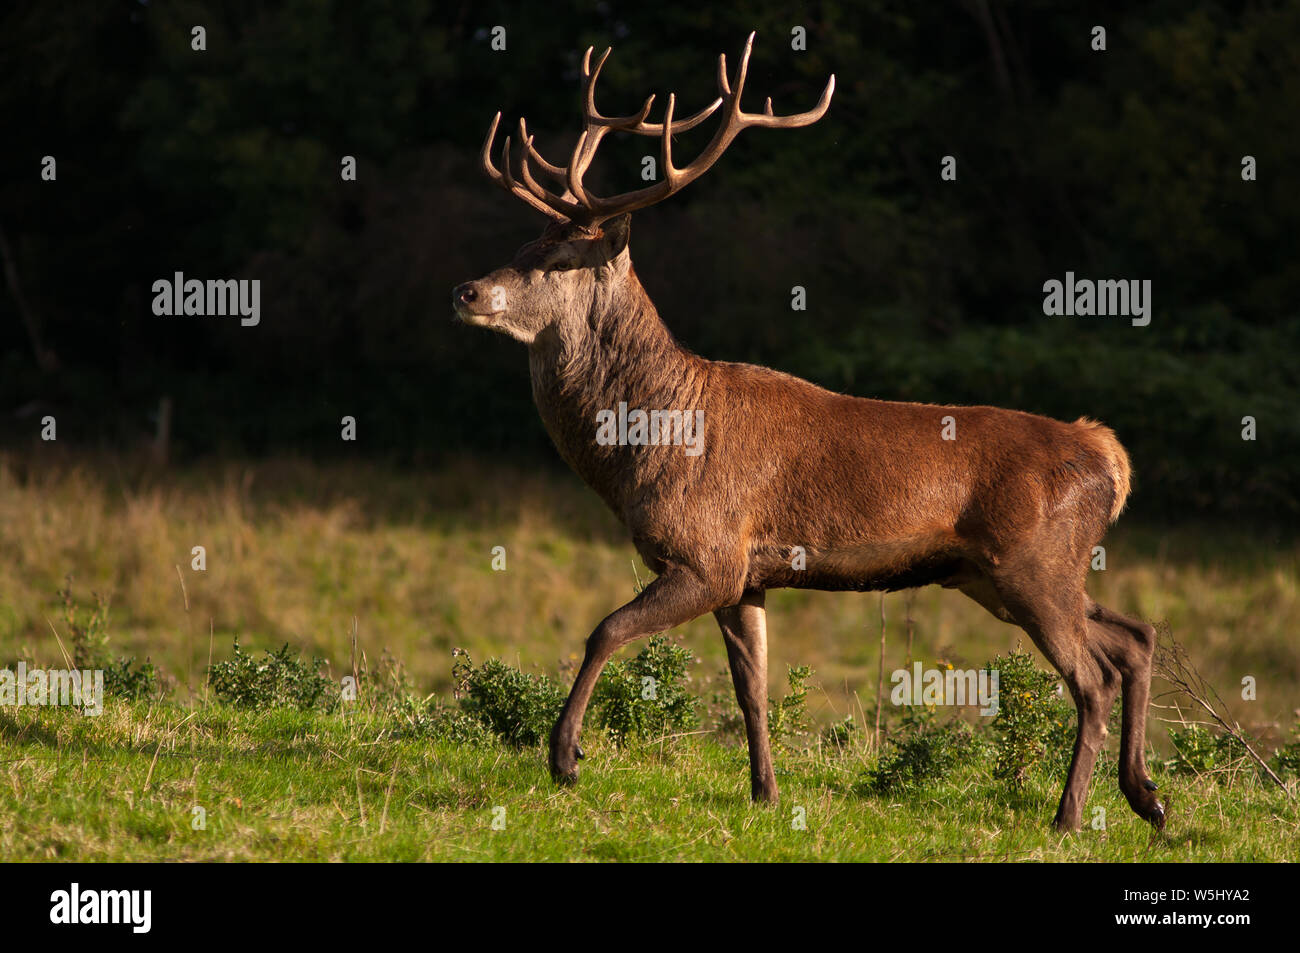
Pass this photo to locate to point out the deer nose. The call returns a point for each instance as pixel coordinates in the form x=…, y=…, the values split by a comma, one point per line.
x=464, y=294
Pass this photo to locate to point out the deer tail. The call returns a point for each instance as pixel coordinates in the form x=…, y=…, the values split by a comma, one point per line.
x=1118, y=467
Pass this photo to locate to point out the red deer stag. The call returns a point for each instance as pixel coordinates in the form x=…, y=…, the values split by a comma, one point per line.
x=1007, y=512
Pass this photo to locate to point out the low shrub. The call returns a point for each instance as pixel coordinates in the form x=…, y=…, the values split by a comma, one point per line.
x=922, y=749
x=124, y=677
x=1034, y=725
x=648, y=696
x=516, y=706
x=278, y=680
x=787, y=719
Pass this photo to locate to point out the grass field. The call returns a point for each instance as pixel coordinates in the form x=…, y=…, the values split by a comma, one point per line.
x=296, y=552
x=302, y=786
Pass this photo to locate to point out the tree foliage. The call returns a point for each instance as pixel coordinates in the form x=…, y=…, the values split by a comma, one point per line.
x=223, y=163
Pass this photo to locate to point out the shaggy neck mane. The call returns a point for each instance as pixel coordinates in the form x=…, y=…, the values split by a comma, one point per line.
x=623, y=352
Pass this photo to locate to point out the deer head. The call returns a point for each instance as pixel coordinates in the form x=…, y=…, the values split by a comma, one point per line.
x=581, y=259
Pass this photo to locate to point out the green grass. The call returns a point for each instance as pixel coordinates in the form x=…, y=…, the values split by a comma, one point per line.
x=287, y=785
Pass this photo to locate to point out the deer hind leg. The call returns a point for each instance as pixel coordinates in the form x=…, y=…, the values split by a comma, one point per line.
x=677, y=595
x=1052, y=612
x=1130, y=645
x=980, y=588
x=744, y=629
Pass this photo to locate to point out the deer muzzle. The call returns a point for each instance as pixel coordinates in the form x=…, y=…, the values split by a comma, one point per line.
x=469, y=304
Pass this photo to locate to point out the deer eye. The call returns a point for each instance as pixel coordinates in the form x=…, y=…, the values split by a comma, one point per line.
x=563, y=264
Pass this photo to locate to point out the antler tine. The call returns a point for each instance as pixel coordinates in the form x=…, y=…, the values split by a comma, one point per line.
x=506, y=178
x=742, y=71
x=682, y=125
x=635, y=123
x=769, y=121
x=555, y=171
x=666, y=145
x=557, y=206
x=766, y=119
x=586, y=60
x=589, y=113
x=503, y=177
x=485, y=154
x=583, y=152
x=724, y=81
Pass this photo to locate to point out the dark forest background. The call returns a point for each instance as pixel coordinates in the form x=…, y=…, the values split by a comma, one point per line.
x=225, y=163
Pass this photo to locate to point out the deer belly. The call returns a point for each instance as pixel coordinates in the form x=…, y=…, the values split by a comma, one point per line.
x=887, y=565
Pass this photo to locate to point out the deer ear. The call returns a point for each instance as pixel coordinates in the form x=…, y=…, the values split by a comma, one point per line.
x=617, y=231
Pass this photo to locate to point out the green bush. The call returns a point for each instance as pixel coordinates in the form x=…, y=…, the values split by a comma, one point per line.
x=1286, y=760
x=840, y=734
x=787, y=719
x=433, y=719
x=1197, y=750
x=1033, y=725
x=648, y=696
x=722, y=715
x=123, y=676
x=517, y=707
x=279, y=680
x=922, y=750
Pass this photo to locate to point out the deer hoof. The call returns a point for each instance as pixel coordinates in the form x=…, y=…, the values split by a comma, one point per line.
x=564, y=761
x=1065, y=825
x=564, y=775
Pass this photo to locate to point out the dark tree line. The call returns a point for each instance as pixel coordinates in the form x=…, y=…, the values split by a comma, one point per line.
x=225, y=163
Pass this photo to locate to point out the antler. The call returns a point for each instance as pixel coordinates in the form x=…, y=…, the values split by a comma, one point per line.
x=580, y=206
